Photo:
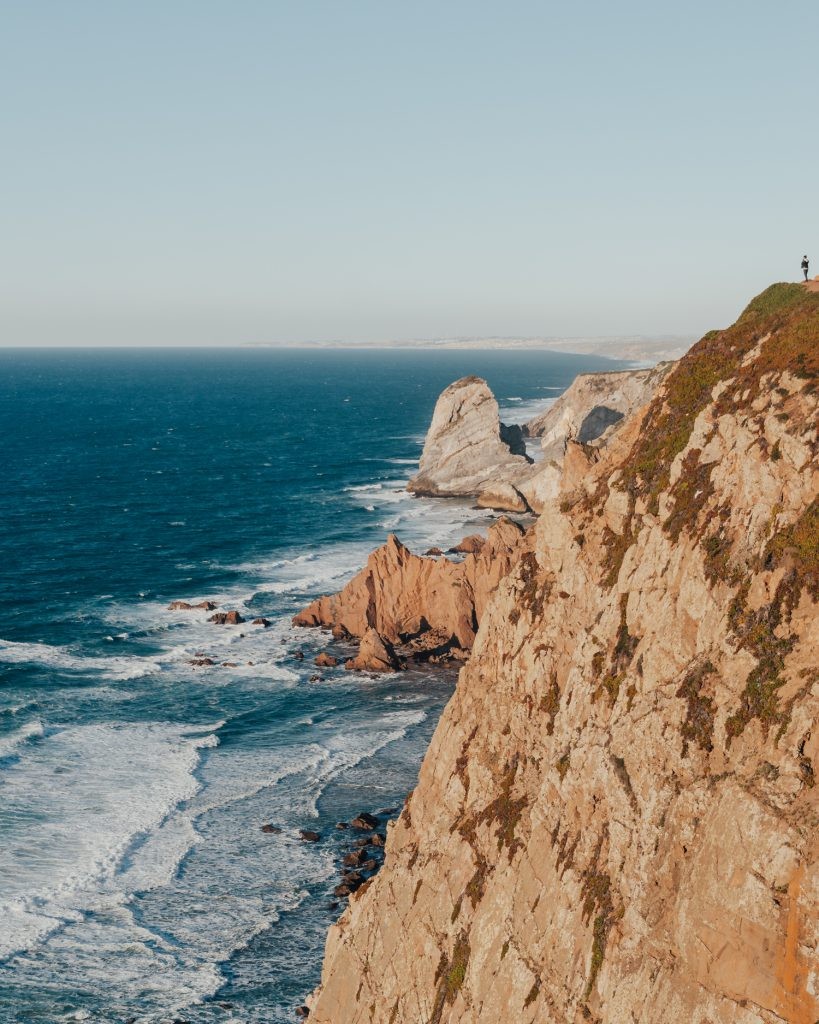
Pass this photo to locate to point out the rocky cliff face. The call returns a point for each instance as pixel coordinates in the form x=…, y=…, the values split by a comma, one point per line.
x=592, y=404
x=617, y=818
x=467, y=448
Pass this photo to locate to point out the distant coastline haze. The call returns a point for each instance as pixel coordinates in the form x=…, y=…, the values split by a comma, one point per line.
x=269, y=173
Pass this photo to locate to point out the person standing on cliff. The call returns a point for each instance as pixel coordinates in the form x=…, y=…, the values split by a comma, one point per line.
x=805, y=266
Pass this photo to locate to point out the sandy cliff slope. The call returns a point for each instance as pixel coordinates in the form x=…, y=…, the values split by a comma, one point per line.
x=617, y=819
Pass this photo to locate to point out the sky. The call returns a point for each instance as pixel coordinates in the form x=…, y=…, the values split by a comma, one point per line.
x=193, y=172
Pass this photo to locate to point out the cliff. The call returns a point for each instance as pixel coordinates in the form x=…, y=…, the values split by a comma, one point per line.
x=617, y=819
x=592, y=404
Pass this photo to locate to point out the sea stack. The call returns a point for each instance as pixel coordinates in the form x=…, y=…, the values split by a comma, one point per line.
x=467, y=448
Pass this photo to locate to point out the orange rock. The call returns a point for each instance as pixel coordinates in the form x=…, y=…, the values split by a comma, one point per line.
x=401, y=595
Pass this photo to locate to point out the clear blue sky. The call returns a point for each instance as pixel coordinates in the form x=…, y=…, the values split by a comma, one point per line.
x=201, y=172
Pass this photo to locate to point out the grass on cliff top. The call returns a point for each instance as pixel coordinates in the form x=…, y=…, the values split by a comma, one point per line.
x=786, y=311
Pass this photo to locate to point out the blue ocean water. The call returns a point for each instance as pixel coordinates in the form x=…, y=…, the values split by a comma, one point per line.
x=135, y=880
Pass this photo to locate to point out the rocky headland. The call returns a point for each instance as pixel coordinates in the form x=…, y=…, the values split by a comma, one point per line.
x=617, y=818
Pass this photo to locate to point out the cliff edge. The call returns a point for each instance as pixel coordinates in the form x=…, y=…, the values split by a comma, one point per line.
x=617, y=819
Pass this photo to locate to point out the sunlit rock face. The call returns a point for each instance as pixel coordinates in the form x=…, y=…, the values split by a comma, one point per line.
x=617, y=818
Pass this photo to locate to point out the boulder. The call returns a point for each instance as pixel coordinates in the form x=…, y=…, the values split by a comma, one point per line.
x=375, y=654
x=184, y=606
x=232, y=618
x=308, y=835
x=201, y=662
x=340, y=633
x=261, y=621
x=467, y=448
x=325, y=660
x=364, y=821
x=470, y=545
x=271, y=829
x=503, y=498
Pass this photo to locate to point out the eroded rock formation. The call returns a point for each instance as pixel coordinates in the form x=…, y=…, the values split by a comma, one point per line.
x=617, y=818
x=593, y=404
x=467, y=448
x=426, y=603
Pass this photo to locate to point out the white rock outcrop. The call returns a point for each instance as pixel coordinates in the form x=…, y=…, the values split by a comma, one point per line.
x=593, y=404
x=467, y=449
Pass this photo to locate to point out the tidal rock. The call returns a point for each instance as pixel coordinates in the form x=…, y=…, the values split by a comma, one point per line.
x=467, y=448
x=184, y=606
x=271, y=829
x=309, y=836
x=201, y=662
x=261, y=621
x=232, y=618
x=325, y=660
x=378, y=839
x=375, y=654
x=364, y=821
x=354, y=858
x=433, y=552
x=298, y=655
x=340, y=633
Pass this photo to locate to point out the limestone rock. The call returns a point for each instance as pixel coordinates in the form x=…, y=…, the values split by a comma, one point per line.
x=467, y=448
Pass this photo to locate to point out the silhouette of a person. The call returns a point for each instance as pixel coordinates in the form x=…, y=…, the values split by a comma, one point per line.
x=805, y=266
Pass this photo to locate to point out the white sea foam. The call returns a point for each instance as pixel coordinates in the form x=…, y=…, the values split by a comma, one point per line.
x=64, y=659
x=71, y=808
x=10, y=744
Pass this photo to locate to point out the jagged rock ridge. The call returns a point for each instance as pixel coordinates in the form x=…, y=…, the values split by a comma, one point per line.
x=432, y=604
x=617, y=818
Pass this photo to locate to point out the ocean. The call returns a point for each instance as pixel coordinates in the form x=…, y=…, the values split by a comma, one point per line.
x=136, y=882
